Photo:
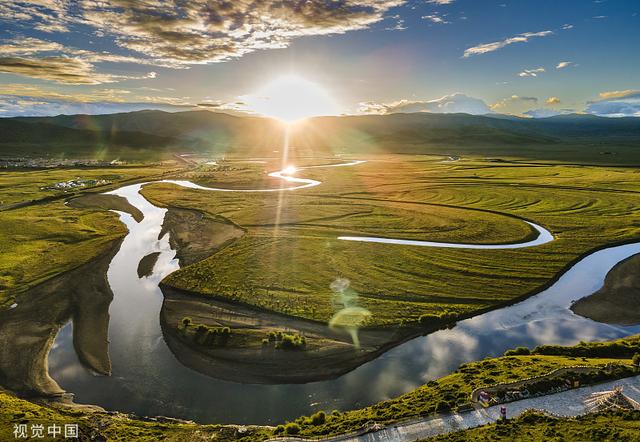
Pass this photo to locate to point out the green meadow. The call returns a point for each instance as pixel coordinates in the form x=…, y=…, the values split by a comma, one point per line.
x=290, y=255
x=41, y=237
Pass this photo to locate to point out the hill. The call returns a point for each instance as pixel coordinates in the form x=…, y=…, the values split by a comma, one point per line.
x=564, y=137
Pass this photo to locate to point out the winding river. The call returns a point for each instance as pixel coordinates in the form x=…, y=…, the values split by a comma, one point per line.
x=148, y=380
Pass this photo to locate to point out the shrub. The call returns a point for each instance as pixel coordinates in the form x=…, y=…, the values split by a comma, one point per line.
x=518, y=351
x=318, y=418
x=279, y=429
x=186, y=322
x=292, y=428
x=636, y=359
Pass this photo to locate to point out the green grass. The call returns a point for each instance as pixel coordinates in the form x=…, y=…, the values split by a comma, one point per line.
x=111, y=427
x=534, y=427
x=289, y=267
x=39, y=241
x=18, y=186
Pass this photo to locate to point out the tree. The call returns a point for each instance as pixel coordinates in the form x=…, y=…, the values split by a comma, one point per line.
x=636, y=359
x=186, y=322
x=318, y=418
x=292, y=428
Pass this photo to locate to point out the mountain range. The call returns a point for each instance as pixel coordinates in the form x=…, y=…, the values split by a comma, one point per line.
x=396, y=133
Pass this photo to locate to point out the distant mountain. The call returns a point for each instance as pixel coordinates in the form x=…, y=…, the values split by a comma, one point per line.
x=395, y=133
x=13, y=131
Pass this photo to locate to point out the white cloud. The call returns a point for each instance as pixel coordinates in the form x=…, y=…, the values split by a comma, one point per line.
x=552, y=101
x=440, y=2
x=616, y=104
x=564, y=64
x=531, y=72
x=436, y=18
x=494, y=46
x=176, y=32
x=454, y=103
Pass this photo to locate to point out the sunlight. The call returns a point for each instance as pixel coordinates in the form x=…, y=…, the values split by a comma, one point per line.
x=291, y=98
x=290, y=170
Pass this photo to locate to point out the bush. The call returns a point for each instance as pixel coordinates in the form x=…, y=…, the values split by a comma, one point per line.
x=318, y=418
x=292, y=428
x=186, y=322
x=518, y=351
x=636, y=359
x=279, y=429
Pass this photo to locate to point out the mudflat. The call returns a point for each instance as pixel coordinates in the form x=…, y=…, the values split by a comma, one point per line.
x=617, y=301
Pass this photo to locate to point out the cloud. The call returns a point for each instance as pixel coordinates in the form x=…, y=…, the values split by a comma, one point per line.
x=515, y=105
x=440, y=2
x=398, y=25
x=435, y=18
x=618, y=94
x=455, y=103
x=546, y=113
x=616, y=104
x=531, y=72
x=564, y=64
x=29, y=99
x=567, y=26
x=175, y=32
x=65, y=70
x=12, y=106
x=494, y=46
x=53, y=61
x=552, y=101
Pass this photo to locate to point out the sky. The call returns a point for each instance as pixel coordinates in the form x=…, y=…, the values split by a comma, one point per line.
x=533, y=58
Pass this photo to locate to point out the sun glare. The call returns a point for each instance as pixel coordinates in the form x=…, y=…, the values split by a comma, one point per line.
x=291, y=98
x=290, y=170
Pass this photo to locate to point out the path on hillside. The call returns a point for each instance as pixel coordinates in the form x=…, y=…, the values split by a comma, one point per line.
x=567, y=403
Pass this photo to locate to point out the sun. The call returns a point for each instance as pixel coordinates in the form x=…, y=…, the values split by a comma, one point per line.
x=291, y=98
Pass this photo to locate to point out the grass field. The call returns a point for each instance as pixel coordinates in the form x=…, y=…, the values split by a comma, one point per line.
x=38, y=241
x=290, y=255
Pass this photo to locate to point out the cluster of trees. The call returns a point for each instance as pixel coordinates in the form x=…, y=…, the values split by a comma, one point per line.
x=444, y=317
x=204, y=334
x=285, y=341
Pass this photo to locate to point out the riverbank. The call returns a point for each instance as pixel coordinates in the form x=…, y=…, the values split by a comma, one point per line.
x=28, y=330
x=617, y=301
x=434, y=408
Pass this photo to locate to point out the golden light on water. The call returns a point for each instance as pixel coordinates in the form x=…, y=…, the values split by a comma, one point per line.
x=291, y=98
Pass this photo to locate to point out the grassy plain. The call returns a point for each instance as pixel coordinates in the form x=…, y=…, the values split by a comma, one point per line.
x=290, y=254
x=39, y=238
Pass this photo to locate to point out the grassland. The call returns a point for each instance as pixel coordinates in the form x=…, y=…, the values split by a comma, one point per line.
x=533, y=427
x=40, y=238
x=290, y=254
